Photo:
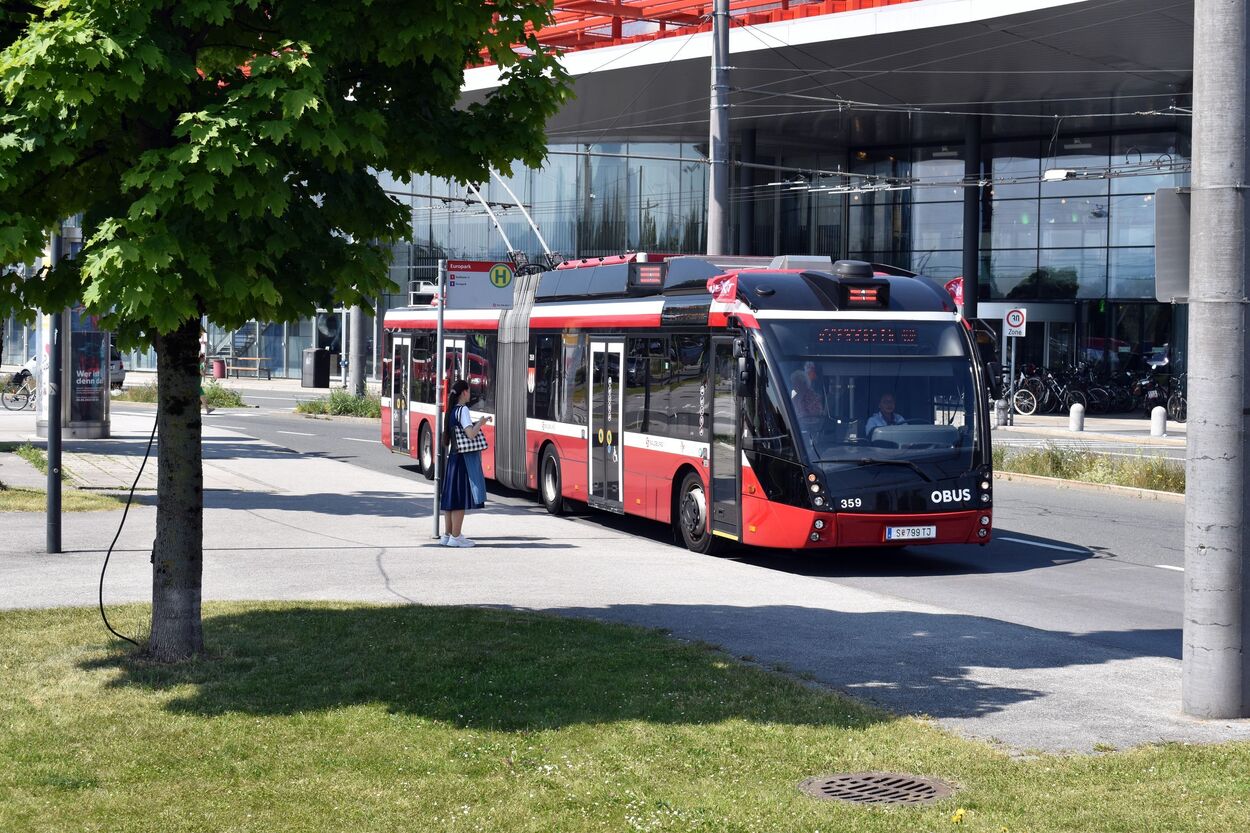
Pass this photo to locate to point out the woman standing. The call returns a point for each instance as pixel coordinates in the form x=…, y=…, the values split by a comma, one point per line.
x=464, y=486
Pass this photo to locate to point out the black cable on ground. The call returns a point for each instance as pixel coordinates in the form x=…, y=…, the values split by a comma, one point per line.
x=129, y=499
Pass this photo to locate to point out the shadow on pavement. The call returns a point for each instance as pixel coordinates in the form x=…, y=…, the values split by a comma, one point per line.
x=469, y=667
x=908, y=662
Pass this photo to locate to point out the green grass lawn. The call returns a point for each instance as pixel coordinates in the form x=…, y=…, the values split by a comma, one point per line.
x=72, y=500
x=352, y=718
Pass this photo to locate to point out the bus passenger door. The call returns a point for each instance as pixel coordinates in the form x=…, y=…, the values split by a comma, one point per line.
x=725, y=455
x=401, y=390
x=605, y=444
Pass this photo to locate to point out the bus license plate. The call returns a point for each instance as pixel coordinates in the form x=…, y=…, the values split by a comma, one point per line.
x=910, y=533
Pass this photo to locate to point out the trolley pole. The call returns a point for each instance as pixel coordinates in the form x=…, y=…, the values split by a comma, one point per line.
x=440, y=393
x=54, y=412
x=718, y=134
x=1215, y=674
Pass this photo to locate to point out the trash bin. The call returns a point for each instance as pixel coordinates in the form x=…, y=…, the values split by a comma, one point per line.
x=316, y=368
x=219, y=368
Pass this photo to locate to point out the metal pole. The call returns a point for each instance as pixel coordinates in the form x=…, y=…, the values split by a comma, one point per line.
x=972, y=215
x=493, y=218
x=1011, y=384
x=1215, y=675
x=528, y=218
x=54, y=413
x=356, y=350
x=439, y=392
x=718, y=133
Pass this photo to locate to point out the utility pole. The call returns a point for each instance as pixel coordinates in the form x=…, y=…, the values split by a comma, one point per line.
x=718, y=134
x=972, y=215
x=1215, y=676
x=54, y=411
x=440, y=392
x=356, y=350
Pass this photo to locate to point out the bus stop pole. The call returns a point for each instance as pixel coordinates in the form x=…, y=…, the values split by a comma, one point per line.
x=53, y=382
x=439, y=393
x=1011, y=386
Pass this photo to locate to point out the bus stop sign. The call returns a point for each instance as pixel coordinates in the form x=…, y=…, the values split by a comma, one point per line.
x=1013, y=323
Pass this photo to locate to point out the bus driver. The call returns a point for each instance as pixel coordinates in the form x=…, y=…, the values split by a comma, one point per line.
x=885, y=415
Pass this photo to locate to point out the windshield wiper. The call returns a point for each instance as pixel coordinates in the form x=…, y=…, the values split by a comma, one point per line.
x=873, y=461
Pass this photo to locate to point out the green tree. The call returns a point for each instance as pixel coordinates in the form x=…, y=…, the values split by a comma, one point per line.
x=222, y=154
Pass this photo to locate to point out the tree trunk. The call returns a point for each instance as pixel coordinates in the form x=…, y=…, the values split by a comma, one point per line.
x=178, y=554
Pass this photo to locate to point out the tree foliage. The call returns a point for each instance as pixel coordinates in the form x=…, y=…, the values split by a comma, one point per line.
x=222, y=152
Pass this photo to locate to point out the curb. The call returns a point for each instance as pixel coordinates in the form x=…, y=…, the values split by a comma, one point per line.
x=334, y=418
x=1060, y=483
x=1174, y=442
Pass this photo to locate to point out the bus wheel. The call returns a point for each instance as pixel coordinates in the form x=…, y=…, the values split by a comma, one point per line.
x=425, y=451
x=550, y=489
x=691, y=517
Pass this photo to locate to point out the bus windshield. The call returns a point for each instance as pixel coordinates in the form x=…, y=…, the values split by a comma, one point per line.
x=878, y=392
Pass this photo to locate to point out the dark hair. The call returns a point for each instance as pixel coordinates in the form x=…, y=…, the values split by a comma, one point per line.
x=457, y=387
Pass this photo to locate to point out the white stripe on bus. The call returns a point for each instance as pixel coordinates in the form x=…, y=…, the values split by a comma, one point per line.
x=560, y=429
x=883, y=317
x=669, y=445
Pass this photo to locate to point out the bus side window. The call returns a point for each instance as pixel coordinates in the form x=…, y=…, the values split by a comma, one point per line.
x=573, y=391
x=546, y=368
x=636, y=392
x=481, y=371
x=422, y=369
x=386, y=365
x=764, y=419
x=659, y=412
x=689, y=394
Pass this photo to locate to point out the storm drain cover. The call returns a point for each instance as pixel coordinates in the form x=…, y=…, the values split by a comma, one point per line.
x=877, y=788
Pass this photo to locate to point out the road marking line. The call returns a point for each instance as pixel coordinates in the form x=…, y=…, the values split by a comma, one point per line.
x=359, y=440
x=296, y=433
x=1170, y=567
x=1040, y=544
x=277, y=398
x=228, y=427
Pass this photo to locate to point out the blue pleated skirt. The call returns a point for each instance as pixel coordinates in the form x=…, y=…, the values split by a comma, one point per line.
x=464, y=485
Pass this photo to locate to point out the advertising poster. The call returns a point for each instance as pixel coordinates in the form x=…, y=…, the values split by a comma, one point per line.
x=88, y=369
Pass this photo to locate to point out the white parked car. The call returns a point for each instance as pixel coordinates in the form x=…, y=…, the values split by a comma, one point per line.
x=117, y=369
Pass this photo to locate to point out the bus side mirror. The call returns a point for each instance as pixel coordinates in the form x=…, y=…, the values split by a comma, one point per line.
x=994, y=370
x=740, y=348
x=746, y=378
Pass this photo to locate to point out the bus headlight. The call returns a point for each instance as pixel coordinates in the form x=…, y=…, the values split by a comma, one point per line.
x=985, y=520
x=820, y=523
x=985, y=485
x=815, y=536
x=985, y=498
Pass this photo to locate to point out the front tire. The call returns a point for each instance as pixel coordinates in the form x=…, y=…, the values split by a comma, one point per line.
x=691, y=517
x=15, y=400
x=1025, y=402
x=550, y=483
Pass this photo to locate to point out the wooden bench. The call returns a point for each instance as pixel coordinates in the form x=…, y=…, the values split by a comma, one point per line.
x=252, y=364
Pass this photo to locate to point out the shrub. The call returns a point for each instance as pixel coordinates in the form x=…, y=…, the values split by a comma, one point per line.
x=1077, y=464
x=342, y=403
x=218, y=397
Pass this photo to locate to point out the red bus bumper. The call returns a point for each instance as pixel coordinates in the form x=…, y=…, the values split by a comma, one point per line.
x=768, y=524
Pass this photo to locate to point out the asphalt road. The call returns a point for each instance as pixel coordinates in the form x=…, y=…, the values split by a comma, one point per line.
x=1098, y=565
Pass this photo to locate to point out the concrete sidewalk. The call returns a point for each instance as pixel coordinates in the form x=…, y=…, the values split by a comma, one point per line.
x=279, y=525
x=1128, y=428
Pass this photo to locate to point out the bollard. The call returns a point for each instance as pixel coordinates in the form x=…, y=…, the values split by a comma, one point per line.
x=1158, y=421
x=1076, y=417
x=1000, y=413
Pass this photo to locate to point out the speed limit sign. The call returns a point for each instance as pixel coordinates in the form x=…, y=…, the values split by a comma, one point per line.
x=1013, y=323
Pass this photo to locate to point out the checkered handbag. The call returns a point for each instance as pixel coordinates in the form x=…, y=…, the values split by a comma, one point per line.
x=466, y=444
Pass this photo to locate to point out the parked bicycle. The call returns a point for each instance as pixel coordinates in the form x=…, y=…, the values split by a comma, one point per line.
x=19, y=391
x=1178, y=408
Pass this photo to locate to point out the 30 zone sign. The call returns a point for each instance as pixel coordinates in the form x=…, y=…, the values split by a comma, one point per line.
x=1013, y=323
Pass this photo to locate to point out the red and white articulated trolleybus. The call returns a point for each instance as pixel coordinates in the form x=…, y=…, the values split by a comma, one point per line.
x=795, y=403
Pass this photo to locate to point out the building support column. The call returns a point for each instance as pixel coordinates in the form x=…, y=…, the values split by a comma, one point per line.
x=746, y=191
x=718, y=134
x=972, y=215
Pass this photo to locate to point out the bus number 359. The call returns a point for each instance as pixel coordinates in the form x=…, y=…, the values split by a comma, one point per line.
x=852, y=502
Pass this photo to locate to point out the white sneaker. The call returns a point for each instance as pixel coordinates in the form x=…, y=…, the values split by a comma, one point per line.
x=462, y=542
x=443, y=539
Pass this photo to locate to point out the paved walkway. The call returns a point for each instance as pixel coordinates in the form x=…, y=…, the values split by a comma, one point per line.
x=279, y=525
